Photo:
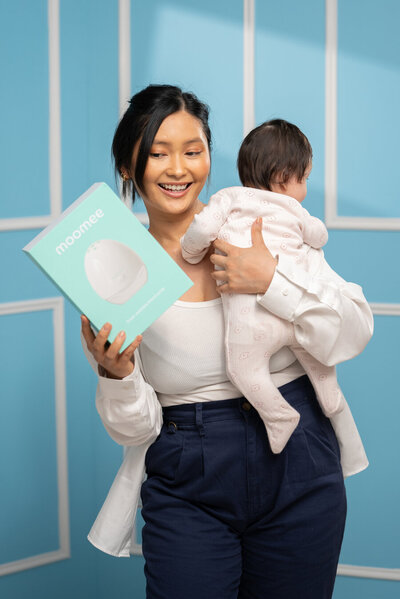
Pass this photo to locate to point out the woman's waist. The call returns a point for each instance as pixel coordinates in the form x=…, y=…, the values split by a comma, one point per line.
x=201, y=394
x=296, y=392
x=218, y=390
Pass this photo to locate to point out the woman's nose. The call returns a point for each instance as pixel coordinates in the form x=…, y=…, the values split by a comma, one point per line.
x=176, y=167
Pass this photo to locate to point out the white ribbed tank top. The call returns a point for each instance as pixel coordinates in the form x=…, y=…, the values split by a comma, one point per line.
x=183, y=355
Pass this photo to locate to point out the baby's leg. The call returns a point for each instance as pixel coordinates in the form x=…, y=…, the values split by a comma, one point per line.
x=324, y=381
x=252, y=336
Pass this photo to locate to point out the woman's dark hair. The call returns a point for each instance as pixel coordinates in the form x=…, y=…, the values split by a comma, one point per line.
x=274, y=152
x=148, y=108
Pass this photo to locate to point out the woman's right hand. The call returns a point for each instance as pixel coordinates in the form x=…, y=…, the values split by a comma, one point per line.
x=111, y=363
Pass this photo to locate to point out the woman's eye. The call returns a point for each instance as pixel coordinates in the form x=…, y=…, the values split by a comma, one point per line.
x=193, y=153
x=156, y=154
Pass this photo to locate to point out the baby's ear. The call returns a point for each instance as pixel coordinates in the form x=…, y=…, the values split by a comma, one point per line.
x=278, y=187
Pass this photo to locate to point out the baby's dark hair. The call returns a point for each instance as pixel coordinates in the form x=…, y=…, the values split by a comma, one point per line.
x=274, y=152
x=148, y=108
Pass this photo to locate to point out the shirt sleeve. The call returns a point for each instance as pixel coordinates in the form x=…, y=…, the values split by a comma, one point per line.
x=204, y=228
x=129, y=408
x=331, y=317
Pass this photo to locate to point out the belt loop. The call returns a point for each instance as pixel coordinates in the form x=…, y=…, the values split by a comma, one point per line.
x=200, y=426
x=199, y=419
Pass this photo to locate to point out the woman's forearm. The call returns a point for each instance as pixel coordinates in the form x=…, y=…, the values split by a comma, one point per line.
x=128, y=408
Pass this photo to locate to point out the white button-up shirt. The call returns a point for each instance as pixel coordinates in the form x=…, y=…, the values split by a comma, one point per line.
x=332, y=321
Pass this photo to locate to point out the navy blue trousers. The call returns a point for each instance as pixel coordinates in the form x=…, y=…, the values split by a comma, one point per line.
x=225, y=518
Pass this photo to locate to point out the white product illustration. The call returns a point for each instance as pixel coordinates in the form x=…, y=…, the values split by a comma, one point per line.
x=114, y=270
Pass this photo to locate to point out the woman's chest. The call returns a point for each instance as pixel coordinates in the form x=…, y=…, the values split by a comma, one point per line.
x=184, y=348
x=204, y=286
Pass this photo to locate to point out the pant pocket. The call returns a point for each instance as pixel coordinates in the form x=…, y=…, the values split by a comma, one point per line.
x=164, y=455
x=312, y=451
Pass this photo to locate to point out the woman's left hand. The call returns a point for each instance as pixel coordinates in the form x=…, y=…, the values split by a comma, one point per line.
x=245, y=270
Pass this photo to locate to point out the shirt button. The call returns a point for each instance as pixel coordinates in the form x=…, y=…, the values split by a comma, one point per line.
x=246, y=406
x=285, y=292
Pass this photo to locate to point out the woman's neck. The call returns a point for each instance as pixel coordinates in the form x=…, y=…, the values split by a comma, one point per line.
x=167, y=229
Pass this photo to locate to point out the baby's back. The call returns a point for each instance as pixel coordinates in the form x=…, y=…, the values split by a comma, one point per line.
x=282, y=216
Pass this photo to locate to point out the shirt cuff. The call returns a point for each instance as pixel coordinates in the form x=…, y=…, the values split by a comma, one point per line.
x=121, y=388
x=285, y=290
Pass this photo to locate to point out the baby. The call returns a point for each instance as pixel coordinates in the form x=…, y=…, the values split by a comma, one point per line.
x=274, y=162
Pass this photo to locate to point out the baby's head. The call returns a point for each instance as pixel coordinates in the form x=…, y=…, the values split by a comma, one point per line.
x=276, y=156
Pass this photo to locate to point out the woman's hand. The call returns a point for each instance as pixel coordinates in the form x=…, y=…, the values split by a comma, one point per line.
x=245, y=270
x=111, y=363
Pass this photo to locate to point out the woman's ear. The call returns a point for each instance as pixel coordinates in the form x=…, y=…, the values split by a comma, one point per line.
x=124, y=174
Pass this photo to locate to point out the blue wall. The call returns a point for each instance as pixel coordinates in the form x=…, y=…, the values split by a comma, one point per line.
x=198, y=45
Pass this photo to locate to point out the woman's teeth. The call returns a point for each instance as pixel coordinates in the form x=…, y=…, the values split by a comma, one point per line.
x=175, y=187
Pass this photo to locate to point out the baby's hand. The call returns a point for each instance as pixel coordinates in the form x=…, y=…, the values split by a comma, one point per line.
x=111, y=363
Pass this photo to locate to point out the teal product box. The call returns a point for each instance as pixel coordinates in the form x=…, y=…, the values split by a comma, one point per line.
x=107, y=264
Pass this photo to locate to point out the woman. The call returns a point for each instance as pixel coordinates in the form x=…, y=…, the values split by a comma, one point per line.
x=224, y=517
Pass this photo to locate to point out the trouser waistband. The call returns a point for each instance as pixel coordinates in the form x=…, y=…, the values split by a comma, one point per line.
x=294, y=392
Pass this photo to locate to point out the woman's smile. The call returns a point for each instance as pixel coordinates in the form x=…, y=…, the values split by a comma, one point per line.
x=174, y=190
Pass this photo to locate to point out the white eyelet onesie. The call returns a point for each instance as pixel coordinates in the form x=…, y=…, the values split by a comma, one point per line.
x=253, y=335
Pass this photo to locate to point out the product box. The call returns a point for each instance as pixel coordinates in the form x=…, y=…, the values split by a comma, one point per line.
x=107, y=264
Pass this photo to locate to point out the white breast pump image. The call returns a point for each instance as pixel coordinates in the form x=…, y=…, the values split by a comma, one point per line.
x=114, y=270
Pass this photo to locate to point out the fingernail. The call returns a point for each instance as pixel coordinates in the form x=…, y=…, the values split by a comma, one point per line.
x=107, y=327
x=121, y=334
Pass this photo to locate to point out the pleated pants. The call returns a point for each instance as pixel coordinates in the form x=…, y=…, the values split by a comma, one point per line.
x=225, y=518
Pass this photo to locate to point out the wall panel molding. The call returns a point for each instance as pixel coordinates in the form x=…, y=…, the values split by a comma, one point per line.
x=385, y=309
x=135, y=548
x=54, y=108
x=332, y=219
x=38, y=222
x=248, y=66
x=124, y=71
x=369, y=572
x=56, y=304
x=124, y=54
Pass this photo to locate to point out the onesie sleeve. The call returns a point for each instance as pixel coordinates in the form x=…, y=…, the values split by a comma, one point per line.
x=315, y=232
x=129, y=408
x=331, y=317
x=205, y=227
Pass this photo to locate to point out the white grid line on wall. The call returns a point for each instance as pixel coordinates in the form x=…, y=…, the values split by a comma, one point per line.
x=332, y=219
x=369, y=572
x=248, y=66
x=135, y=548
x=124, y=77
x=385, y=309
x=38, y=222
x=56, y=304
x=54, y=109
x=337, y=222
x=124, y=54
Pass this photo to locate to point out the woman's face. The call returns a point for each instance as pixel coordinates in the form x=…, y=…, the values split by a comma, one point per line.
x=178, y=165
